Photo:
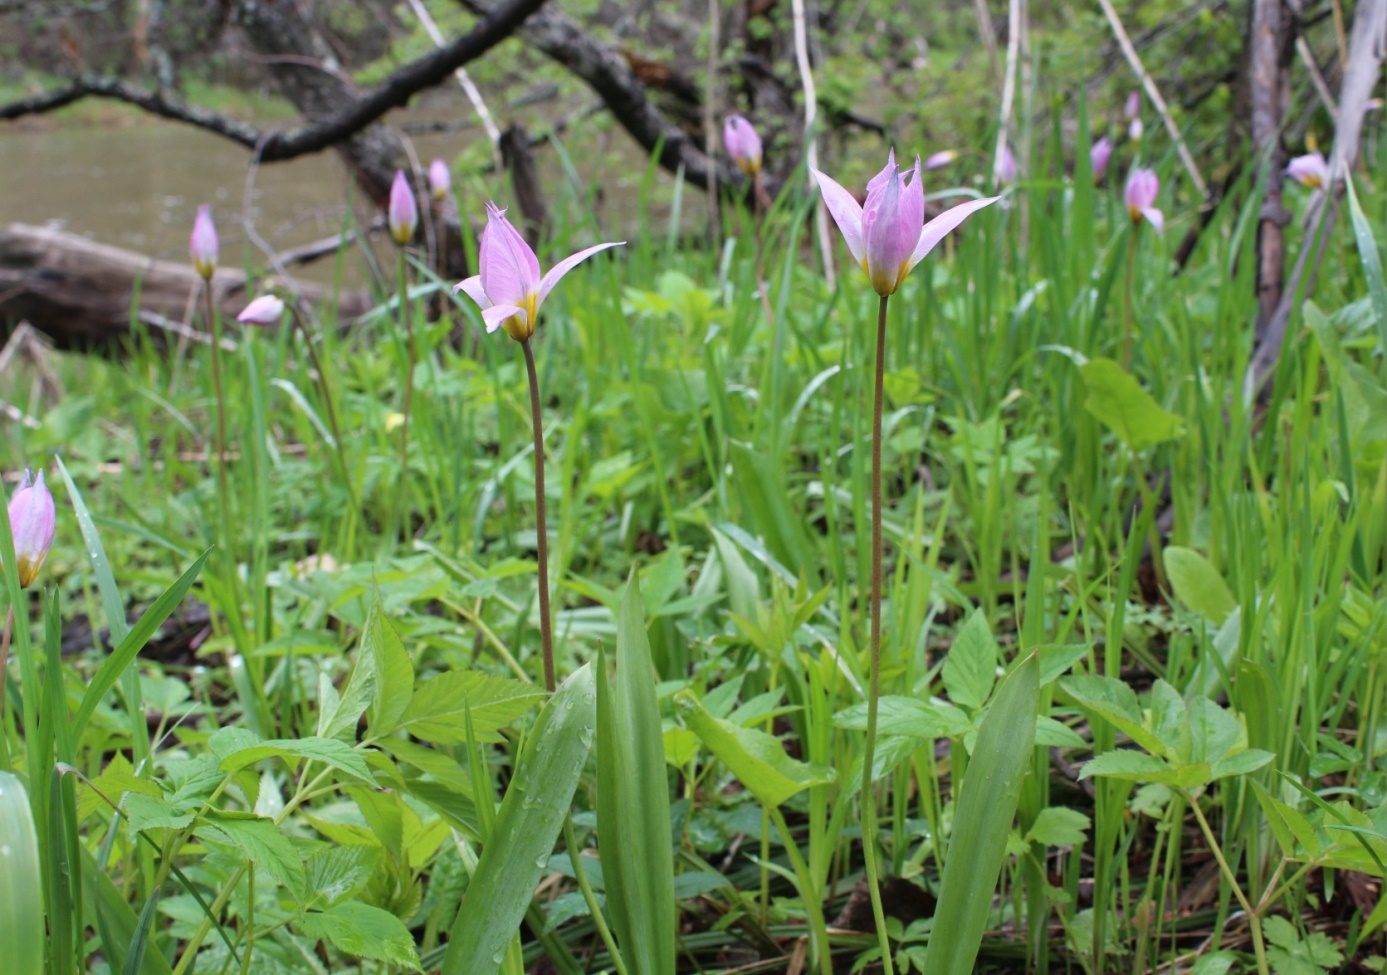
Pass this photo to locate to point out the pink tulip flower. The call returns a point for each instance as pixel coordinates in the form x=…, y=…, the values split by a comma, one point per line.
x=1142, y=188
x=1309, y=170
x=1098, y=157
x=742, y=143
x=1132, y=112
x=32, y=521
x=886, y=236
x=1005, y=169
x=403, y=213
x=509, y=288
x=202, y=245
x=440, y=179
x=264, y=310
x=940, y=159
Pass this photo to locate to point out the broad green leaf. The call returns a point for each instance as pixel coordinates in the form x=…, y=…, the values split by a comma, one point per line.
x=985, y=807
x=337, y=872
x=898, y=715
x=363, y=932
x=262, y=843
x=237, y=748
x=1213, y=731
x=120, y=658
x=1057, y=658
x=146, y=812
x=1115, y=701
x=633, y=823
x=757, y=759
x=743, y=591
x=971, y=666
x=1058, y=826
x=438, y=710
x=393, y=684
x=1240, y=763
x=527, y=824
x=1198, y=585
x=1117, y=400
x=21, y=906
x=1171, y=722
x=1135, y=766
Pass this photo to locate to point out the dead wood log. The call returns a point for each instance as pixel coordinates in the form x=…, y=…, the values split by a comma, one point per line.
x=1271, y=46
x=81, y=293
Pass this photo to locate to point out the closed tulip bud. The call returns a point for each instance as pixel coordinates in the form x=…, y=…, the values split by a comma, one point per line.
x=941, y=159
x=264, y=310
x=202, y=245
x=887, y=236
x=1132, y=111
x=32, y=524
x=742, y=143
x=1098, y=157
x=1309, y=170
x=440, y=180
x=1142, y=187
x=403, y=212
x=508, y=286
x=1005, y=169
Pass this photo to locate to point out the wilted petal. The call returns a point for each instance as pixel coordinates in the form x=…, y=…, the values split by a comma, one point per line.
x=496, y=315
x=938, y=228
x=556, y=273
x=1155, y=218
x=473, y=288
x=509, y=270
x=846, y=213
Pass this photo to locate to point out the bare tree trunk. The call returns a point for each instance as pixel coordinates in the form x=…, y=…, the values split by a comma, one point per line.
x=1271, y=42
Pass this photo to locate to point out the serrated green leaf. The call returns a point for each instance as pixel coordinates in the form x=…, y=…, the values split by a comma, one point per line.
x=237, y=748
x=393, y=683
x=146, y=812
x=1198, y=584
x=970, y=668
x=262, y=843
x=757, y=759
x=363, y=932
x=1115, y=701
x=898, y=715
x=1134, y=766
x=1058, y=826
x=1117, y=401
x=527, y=824
x=438, y=710
x=338, y=872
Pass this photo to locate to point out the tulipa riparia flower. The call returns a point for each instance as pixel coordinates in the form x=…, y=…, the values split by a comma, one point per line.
x=1142, y=188
x=509, y=288
x=940, y=159
x=1309, y=170
x=32, y=520
x=887, y=235
x=403, y=213
x=440, y=179
x=1004, y=171
x=742, y=143
x=1098, y=157
x=1132, y=111
x=202, y=245
x=265, y=310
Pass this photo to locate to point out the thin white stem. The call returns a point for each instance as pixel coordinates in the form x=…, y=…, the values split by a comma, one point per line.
x=811, y=148
x=465, y=82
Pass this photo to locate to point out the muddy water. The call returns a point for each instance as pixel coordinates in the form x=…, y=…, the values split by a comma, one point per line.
x=139, y=186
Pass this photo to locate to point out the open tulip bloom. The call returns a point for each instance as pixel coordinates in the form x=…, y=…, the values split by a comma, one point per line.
x=888, y=236
x=1310, y=170
x=1142, y=187
x=509, y=288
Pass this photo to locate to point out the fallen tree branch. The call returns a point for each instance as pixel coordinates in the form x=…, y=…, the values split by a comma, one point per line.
x=348, y=120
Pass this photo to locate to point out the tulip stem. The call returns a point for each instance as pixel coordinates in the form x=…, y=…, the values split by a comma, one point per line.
x=214, y=322
x=1131, y=273
x=869, y=849
x=413, y=357
x=4, y=663
x=546, y=636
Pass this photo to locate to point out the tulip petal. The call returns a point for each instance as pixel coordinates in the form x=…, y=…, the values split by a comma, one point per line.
x=473, y=288
x=912, y=212
x=509, y=270
x=1155, y=218
x=846, y=213
x=555, y=273
x=881, y=229
x=496, y=315
x=939, y=227
x=878, y=182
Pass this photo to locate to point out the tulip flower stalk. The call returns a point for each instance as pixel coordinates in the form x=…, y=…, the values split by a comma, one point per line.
x=743, y=145
x=1140, y=195
x=204, y=249
x=32, y=520
x=510, y=290
x=887, y=237
x=403, y=220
